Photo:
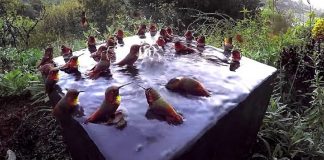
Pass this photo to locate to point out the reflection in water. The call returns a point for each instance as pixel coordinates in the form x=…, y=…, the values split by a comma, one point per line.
x=234, y=66
x=130, y=70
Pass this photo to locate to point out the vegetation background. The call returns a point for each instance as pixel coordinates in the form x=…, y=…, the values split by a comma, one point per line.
x=273, y=33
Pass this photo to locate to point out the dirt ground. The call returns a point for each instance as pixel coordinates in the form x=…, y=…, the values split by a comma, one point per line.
x=29, y=130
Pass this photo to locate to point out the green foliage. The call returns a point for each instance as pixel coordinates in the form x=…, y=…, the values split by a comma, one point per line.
x=11, y=59
x=15, y=83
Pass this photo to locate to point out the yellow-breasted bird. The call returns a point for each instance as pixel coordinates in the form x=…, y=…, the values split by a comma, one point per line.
x=51, y=80
x=67, y=106
x=159, y=106
x=109, y=105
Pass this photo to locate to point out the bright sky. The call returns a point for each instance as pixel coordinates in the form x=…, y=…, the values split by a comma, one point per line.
x=319, y=4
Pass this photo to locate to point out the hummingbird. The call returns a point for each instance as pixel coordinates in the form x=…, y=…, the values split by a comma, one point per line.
x=228, y=46
x=131, y=57
x=200, y=41
x=47, y=57
x=109, y=105
x=84, y=21
x=111, y=42
x=160, y=107
x=72, y=66
x=161, y=42
x=236, y=55
x=66, y=53
x=169, y=31
x=189, y=37
x=141, y=31
x=92, y=44
x=67, y=106
x=120, y=36
x=101, y=67
x=45, y=69
x=51, y=80
x=153, y=29
x=180, y=48
x=165, y=35
x=187, y=85
x=97, y=55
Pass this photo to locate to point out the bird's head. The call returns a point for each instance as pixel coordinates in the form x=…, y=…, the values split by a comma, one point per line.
x=173, y=83
x=72, y=96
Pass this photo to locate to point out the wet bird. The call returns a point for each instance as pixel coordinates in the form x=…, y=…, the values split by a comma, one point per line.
x=66, y=52
x=180, y=48
x=189, y=36
x=228, y=46
x=131, y=57
x=92, y=44
x=47, y=57
x=236, y=55
x=84, y=20
x=51, y=80
x=201, y=41
x=153, y=29
x=159, y=106
x=165, y=35
x=109, y=105
x=111, y=42
x=45, y=69
x=169, y=31
x=161, y=42
x=101, y=67
x=67, y=106
x=188, y=86
x=97, y=55
x=72, y=65
x=141, y=31
x=120, y=37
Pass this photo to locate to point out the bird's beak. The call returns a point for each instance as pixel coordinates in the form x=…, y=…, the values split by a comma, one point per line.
x=81, y=91
x=141, y=86
x=124, y=85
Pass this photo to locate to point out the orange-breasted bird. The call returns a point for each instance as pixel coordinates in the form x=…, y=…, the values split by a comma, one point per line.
x=236, y=55
x=51, y=80
x=131, y=57
x=189, y=36
x=159, y=106
x=120, y=36
x=153, y=29
x=161, y=42
x=201, y=41
x=141, y=31
x=111, y=42
x=91, y=44
x=47, y=57
x=165, y=35
x=180, y=48
x=84, y=20
x=169, y=31
x=188, y=86
x=66, y=52
x=109, y=105
x=101, y=67
x=67, y=106
x=97, y=55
